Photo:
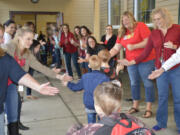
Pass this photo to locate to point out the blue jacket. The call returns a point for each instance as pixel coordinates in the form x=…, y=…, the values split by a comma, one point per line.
x=89, y=82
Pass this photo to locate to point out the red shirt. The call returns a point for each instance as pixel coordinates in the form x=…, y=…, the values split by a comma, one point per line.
x=21, y=62
x=140, y=33
x=105, y=42
x=157, y=40
x=66, y=44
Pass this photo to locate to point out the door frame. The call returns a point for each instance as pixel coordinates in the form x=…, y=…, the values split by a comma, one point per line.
x=35, y=13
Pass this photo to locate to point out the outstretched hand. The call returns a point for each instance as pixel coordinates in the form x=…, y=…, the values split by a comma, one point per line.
x=67, y=78
x=46, y=89
x=155, y=74
x=56, y=70
x=80, y=60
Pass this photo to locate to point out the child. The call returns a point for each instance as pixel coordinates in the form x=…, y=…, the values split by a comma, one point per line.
x=89, y=82
x=107, y=100
x=105, y=56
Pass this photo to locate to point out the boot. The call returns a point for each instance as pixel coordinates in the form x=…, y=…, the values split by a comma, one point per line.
x=22, y=127
x=13, y=128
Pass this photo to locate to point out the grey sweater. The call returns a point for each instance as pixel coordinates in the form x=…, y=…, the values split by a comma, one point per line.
x=31, y=61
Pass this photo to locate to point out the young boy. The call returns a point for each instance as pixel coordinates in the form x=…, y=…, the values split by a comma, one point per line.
x=105, y=56
x=89, y=82
x=107, y=99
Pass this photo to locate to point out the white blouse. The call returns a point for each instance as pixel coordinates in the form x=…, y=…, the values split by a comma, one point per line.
x=172, y=61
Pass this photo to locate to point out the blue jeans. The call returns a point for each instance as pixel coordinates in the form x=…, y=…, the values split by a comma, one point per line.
x=170, y=77
x=11, y=103
x=91, y=117
x=2, y=125
x=58, y=57
x=136, y=73
x=28, y=90
x=74, y=57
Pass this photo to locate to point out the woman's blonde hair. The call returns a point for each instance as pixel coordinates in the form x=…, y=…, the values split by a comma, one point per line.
x=122, y=30
x=20, y=33
x=2, y=52
x=165, y=14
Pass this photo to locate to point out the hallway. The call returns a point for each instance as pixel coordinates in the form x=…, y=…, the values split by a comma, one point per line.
x=54, y=115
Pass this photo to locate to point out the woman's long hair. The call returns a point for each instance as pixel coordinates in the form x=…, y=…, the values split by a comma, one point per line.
x=88, y=47
x=20, y=33
x=122, y=30
x=77, y=37
x=87, y=30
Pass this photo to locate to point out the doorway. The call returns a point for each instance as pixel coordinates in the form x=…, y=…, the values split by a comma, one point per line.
x=40, y=19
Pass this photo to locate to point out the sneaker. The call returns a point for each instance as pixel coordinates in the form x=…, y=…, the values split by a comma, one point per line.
x=157, y=128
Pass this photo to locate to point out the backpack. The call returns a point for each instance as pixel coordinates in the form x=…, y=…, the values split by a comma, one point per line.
x=122, y=126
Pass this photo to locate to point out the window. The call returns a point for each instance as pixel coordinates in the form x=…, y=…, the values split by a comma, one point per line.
x=145, y=8
x=115, y=12
x=114, y=8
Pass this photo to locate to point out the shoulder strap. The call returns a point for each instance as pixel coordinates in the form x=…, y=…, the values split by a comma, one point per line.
x=109, y=123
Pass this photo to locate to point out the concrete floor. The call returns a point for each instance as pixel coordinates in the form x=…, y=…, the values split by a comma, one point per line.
x=54, y=115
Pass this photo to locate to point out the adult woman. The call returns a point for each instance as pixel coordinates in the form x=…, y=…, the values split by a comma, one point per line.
x=165, y=40
x=92, y=49
x=69, y=46
x=10, y=28
x=18, y=76
x=19, y=49
x=109, y=40
x=133, y=36
x=85, y=33
x=77, y=34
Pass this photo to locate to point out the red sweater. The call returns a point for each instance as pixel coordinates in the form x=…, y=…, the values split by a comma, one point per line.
x=157, y=40
x=66, y=44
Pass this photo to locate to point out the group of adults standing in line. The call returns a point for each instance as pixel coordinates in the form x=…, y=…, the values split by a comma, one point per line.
x=143, y=48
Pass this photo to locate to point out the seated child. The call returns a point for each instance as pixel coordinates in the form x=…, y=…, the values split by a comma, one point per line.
x=107, y=100
x=105, y=56
x=88, y=83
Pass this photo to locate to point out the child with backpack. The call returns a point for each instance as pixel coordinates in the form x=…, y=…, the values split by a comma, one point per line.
x=88, y=83
x=107, y=101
